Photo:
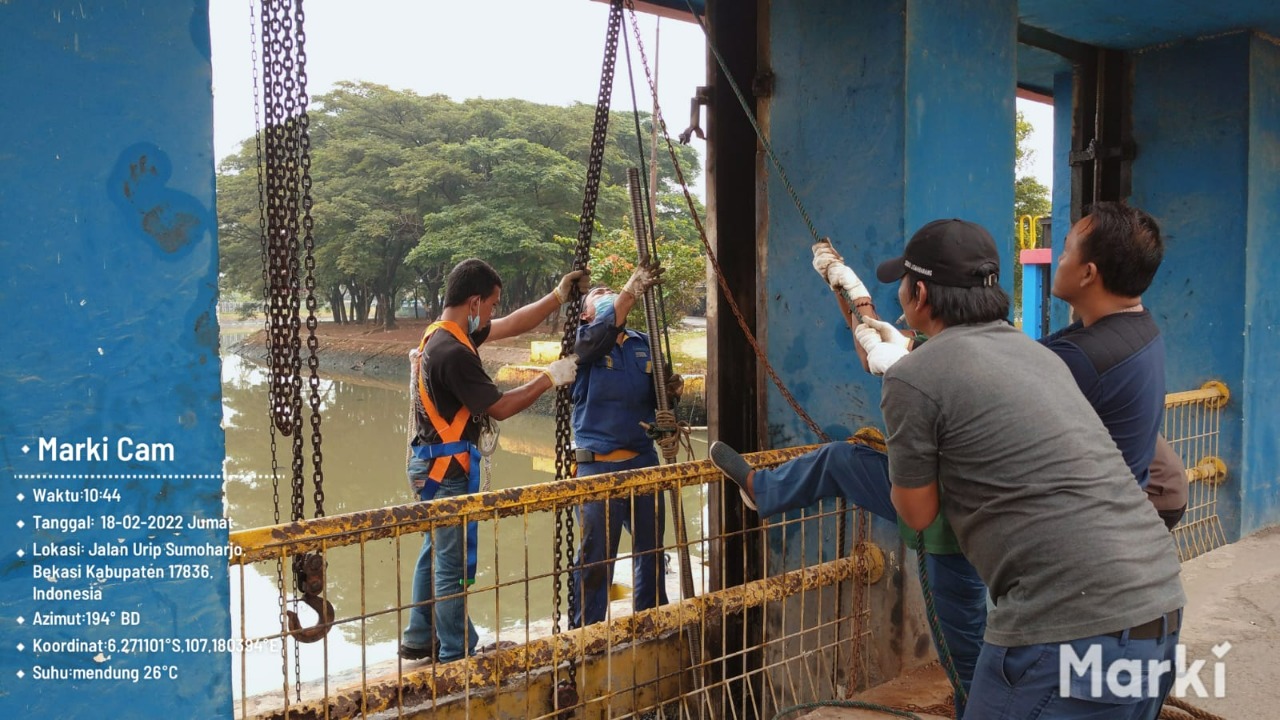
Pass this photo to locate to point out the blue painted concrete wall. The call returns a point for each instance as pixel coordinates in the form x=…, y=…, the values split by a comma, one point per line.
x=108, y=268
x=1261, y=461
x=1063, y=84
x=884, y=117
x=838, y=123
x=1192, y=129
x=961, y=68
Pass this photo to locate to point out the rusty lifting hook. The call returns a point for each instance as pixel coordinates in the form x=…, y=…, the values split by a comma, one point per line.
x=309, y=572
x=701, y=96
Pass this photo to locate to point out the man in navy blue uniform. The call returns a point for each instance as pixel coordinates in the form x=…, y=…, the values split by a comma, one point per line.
x=1114, y=350
x=612, y=395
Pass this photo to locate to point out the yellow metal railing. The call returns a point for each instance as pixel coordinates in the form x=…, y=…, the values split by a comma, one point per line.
x=1028, y=232
x=1192, y=421
x=791, y=636
x=630, y=664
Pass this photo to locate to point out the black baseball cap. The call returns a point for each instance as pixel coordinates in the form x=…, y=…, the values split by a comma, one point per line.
x=956, y=253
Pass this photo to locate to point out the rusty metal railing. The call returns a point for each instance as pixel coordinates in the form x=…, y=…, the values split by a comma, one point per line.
x=629, y=665
x=789, y=637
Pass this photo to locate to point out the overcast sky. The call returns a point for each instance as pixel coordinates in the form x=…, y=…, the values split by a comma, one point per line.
x=548, y=51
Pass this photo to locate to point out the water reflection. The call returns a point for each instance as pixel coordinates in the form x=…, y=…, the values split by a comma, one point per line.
x=364, y=431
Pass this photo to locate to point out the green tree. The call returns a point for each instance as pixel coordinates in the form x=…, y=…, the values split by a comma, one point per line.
x=406, y=185
x=1030, y=196
x=680, y=252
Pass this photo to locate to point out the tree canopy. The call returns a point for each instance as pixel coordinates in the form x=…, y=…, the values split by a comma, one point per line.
x=405, y=186
x=1030, y=196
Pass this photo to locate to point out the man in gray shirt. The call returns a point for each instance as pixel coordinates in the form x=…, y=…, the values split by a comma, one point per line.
x=1082, y=573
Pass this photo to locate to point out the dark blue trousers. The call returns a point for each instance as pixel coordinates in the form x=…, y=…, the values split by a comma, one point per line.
x=861, y=475
x=601, y=525
x=1076, y=680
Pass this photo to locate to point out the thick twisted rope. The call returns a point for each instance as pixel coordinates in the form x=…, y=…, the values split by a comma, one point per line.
x=1179, y=709
x=935, y=626
x=672, y=435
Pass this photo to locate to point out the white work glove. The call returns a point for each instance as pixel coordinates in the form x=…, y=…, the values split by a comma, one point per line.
x=581, y=278
x=842, y=277
x=883, y=343
x=830, y=265
x=562, y=371
x=823, y=256
x=644, y=277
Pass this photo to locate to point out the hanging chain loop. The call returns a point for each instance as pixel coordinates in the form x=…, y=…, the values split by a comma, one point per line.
x=564, y=692
x=283, y=146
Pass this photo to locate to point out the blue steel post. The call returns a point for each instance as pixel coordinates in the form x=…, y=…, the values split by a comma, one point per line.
x=1035, y=276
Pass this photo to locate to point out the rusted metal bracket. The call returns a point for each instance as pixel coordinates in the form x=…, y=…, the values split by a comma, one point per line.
x=701, y=96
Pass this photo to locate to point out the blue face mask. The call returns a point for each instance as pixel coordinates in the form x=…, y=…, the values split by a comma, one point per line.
x=605, y=304
x=473, y=323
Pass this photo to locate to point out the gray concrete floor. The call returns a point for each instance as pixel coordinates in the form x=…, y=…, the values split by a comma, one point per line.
x=1233, y=596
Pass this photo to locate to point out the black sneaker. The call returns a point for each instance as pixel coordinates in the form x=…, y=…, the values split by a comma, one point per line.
x=413, y=654
x=732, y=464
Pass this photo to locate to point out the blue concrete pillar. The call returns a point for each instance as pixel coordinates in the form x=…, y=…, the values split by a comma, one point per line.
x=1063, y=87
x=885, y=115
x=108, y=267
x=1207, y=128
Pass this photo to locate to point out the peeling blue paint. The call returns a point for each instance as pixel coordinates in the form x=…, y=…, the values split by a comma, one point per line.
x=108, y=237
x=138, y=185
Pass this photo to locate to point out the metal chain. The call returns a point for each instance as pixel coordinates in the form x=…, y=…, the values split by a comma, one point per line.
x=266, y=306
x=309, y=260
x=285, y=204
x=862, y=518
x=582, y=254
x=295, y=344
x=276, y=229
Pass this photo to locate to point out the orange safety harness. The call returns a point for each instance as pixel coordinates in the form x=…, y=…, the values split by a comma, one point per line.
x=451, y=446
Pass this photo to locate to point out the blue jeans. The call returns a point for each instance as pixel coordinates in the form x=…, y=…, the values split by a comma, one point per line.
x=449, y=559
x=861, y=475
x=602, y=522
x=1026, y=682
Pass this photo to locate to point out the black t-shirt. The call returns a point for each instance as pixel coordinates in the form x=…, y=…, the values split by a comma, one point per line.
x=455, y=378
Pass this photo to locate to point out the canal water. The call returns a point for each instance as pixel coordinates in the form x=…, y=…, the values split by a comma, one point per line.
x=364, y=431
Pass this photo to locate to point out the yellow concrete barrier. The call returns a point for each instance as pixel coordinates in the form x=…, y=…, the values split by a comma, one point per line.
x=516, y=374
x=542, y=352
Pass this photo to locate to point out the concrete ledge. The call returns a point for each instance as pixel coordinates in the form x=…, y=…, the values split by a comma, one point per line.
x=1233, y=596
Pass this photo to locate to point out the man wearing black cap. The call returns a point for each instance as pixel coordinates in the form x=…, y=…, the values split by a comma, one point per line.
x=1040, y=498
x=948, y=288
x=861, y=475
